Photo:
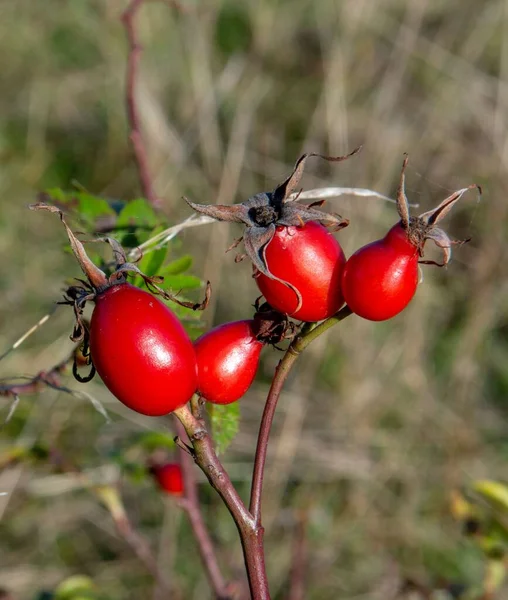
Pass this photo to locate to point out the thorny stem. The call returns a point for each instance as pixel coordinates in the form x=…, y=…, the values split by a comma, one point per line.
x=135, y=136
x=284, y=367
x=190, y=504
x=251, y=533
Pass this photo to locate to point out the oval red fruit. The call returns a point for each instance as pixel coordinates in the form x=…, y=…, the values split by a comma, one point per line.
x=310, y=259
x=227, y=358
x=381, y=278
x=169, y=478
x=141, y=351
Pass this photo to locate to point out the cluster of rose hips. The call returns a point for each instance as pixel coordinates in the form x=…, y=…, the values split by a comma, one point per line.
x=143, y=353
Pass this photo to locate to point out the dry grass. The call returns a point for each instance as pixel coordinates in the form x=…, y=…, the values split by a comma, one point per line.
x=380, y=421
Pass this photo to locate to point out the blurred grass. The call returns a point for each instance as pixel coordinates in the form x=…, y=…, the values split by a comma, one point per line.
x=380, y=421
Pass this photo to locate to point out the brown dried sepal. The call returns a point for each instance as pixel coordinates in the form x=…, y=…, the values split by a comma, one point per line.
x=270, y=326
x=423, y=227
x=262, y=213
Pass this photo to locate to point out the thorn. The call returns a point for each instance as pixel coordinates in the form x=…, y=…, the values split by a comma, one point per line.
x=183, y=446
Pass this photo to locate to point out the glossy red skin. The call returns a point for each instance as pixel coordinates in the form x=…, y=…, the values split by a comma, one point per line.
x=169, y=478
x=311, y=259
x=380, y=279
x=228, y=358
x=141, y=351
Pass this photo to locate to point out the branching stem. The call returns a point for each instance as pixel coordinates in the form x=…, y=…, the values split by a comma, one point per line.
x=284, y=367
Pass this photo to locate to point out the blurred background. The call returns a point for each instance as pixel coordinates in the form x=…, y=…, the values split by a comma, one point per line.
x=380, y=422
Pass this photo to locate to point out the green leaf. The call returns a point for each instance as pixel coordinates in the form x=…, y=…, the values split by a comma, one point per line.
x=178, y=266
x=76, y=586
x=180, y=282
x=493, y=491
x=152, y=440
x=58, y=195
x=136, y=213
x=91, y=207
x=150, y=264
x=224, y=419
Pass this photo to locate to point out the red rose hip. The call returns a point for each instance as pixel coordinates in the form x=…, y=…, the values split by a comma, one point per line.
x=141, y=350
x=381, y=278
x=227, y=358
x=311, y=260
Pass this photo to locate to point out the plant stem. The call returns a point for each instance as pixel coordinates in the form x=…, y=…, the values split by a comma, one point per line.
x=190, y=504
x=248, y=522
x=135, y=136
x=251, y=533
x=283, y=369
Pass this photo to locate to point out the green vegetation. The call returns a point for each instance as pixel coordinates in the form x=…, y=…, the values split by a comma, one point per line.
x=382, y=424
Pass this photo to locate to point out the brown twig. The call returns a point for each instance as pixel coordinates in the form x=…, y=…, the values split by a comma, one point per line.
x=251, y=533
x=34, y=384
x=190, y=504
x=135, y=136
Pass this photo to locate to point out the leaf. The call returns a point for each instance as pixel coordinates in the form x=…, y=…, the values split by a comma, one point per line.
x=178, y=266
x=180, y=282
x=224, y=419
x=92, y=207
x=88, y=207
x=150, y=264
x=152, y=440
x=76, y=586
x=493, y=491
x=137, y=212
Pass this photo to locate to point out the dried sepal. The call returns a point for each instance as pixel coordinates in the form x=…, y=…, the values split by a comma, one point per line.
x=152, y=282
x=262, y=213
x=289, y=185
x=270, y=326
x=96, y=277
x=423, y=227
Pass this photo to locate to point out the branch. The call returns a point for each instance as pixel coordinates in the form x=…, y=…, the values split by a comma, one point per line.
x=190, y=504
x=51, y=379
x=251, y=533
x=133, y=117
x=283, y=369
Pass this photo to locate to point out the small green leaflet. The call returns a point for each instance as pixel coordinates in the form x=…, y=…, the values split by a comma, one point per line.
x=175, y=283
x=137, y=213
x=494, y=491
x=88, y=206
x=178, y=266
x=152, y=440
x=150, y=264
x=224, y=419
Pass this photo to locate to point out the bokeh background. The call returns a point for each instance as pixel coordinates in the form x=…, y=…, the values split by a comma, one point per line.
x=380, y=421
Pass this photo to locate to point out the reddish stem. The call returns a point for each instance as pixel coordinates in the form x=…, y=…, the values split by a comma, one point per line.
x=190, y=503
x=283, y=369
x=135, y=136
x=251, y=533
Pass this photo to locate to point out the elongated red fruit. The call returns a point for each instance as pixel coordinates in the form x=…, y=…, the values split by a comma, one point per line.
x=311, y=260
x=227, y=358
x=141, y=350
x=381, y=278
